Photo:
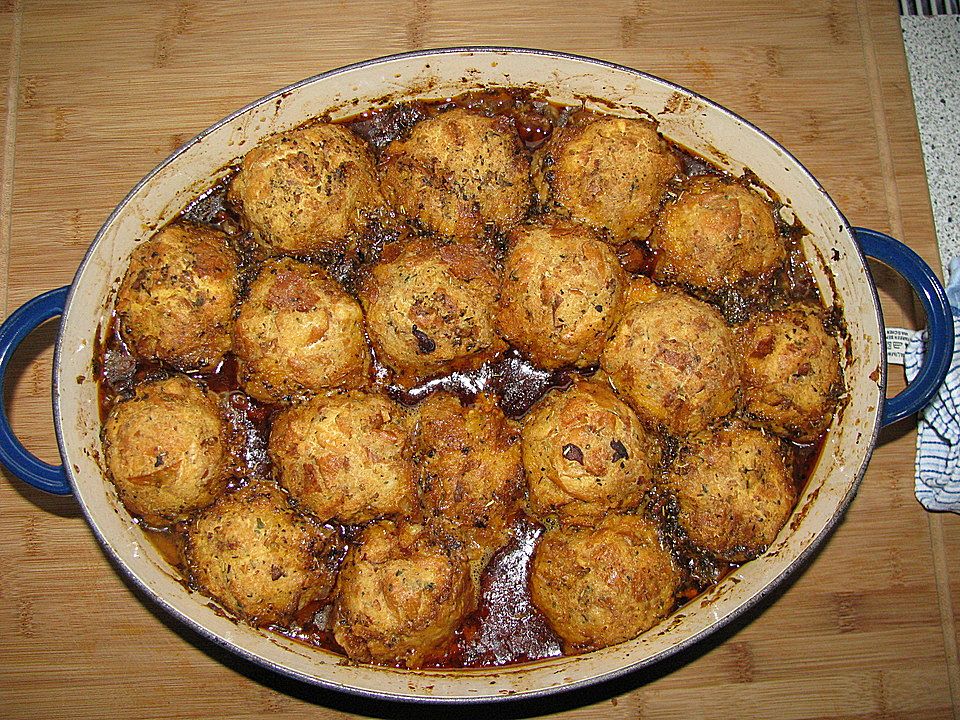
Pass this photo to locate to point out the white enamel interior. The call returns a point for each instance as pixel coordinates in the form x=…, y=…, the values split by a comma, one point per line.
x=684, y=117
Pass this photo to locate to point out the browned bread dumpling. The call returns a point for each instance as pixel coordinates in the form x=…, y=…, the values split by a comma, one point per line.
x=608, y=172
x=298, y=332
x=429, y=308
x=791, y=372
x=715, y=234
x=401, y=594
x=734, y=491
x=471, y=476
x=585, y=453
x=459, y=172
x=175, y=302
x=165, y=449
x=306, y=190
x=344, y=457
x=598, y=586
x=258, y=557
x=561, y=294
x=672, y=358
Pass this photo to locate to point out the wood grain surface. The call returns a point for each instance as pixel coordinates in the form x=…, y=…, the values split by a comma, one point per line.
x=93, y=95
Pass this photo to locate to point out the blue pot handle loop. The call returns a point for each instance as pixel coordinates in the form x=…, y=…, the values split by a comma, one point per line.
x=17, y=459
x=940, y=337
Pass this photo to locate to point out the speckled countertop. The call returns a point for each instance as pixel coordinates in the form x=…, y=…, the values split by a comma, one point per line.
x=933, y=56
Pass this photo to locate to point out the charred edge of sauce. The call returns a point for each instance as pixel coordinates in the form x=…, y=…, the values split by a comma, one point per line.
x=699, y=569
x=836, y=324
x=533, y=117
x=637, y=257
x=517, y=383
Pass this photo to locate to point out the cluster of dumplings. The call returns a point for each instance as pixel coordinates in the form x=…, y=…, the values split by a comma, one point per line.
x=386, y=514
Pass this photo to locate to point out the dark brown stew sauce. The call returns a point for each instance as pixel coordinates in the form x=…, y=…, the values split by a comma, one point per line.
x=505, y=628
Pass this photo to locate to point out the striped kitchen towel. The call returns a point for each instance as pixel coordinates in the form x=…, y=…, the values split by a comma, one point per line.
x=938, y=429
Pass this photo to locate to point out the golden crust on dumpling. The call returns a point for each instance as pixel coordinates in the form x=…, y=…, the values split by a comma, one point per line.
x=561, y=294
x=345, y=457
x=734, y=491
x=401, y=595
x=470, y=471
x=715, y=234
x=598, y=586
x=298, y=332
x=306, y=190
x=258, y=557
x=175, y=303
x=458, y=173
x=608, y=172
x=791, y=372
x=429, y=308
x=165, y=449
x=585, y=453
x=672, y=358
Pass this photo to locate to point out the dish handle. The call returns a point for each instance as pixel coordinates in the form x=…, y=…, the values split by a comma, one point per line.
x=891, y=252
x=940, y=334
x=14, y=456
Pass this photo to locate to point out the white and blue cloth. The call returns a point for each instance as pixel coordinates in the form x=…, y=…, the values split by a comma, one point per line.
x=938, y=429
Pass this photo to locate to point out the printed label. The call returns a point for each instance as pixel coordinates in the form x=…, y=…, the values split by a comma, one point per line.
x=897, y=341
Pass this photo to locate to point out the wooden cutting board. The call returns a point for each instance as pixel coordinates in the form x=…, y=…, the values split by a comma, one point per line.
x=93, y=95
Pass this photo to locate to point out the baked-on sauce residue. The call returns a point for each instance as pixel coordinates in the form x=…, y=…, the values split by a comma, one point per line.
x=505, y=628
